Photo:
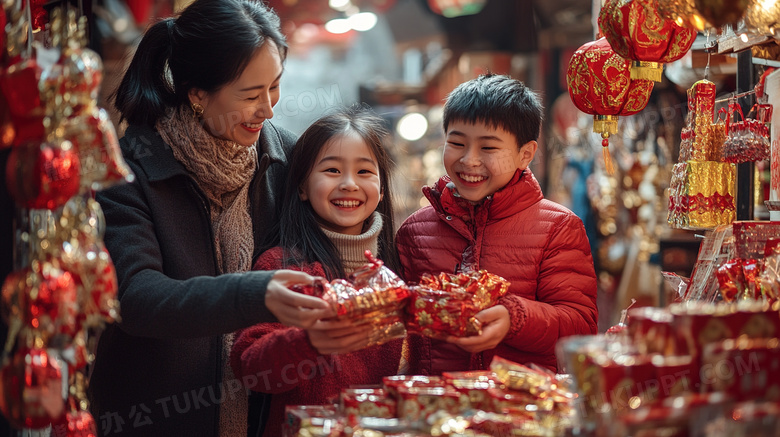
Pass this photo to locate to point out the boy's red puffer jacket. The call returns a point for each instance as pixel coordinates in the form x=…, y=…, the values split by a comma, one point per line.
x=537, y=245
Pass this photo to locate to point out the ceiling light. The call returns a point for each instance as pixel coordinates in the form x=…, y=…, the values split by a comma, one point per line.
x=338, y=25
x=339, y=5
x=412, y=127
x=363, y=21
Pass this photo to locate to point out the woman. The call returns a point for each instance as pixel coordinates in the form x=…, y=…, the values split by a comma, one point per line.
x=198, y=96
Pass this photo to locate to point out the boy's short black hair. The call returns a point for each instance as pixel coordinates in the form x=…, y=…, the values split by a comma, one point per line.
x=497, y=101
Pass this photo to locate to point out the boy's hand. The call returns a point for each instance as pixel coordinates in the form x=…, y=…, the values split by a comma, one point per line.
x=337, y=337
x=495, y=326
x=291, y=308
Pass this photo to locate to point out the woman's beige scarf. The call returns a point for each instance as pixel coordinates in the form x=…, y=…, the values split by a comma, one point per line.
x=223, y=170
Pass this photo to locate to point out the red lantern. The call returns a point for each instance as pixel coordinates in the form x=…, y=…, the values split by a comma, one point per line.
x=51, y=304
x=600, y=84
x=636, y=31
x=43, y=176
x=78, y=423
x=31, y=389
x=19, y=83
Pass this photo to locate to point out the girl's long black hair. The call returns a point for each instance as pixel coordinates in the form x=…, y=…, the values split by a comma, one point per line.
x=298, y=231
x=206, y=47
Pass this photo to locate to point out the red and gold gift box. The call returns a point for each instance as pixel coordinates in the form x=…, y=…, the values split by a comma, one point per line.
x=474, y=387
x=522, y=405
x=674, y=376
x=697, y=325
x=416, y=404
x=701, y=195
x=366, y=402
x=445, y=305
x=516, y=376
x=312, y=420
x=625, y=382
x=750, y=237
x=650, y=330
x=744, y=369
x=391, y=384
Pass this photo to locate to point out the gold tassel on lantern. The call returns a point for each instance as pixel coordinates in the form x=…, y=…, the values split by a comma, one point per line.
x=606, y=125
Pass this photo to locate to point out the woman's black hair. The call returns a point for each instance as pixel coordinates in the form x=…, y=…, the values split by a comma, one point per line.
x=206, y=47
x=298, y=231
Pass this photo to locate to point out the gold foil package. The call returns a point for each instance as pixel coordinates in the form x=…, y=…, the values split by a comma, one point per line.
x=375, y=297
x=701, y=195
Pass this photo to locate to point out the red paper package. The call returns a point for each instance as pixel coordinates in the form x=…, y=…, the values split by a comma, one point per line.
x=445, y=305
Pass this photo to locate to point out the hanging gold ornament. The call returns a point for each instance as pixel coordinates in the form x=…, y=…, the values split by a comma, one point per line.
x=683, y=13
x=721, y=12
x=763, y=17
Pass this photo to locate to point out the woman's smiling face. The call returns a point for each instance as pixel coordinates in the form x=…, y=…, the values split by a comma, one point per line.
x=236, y=112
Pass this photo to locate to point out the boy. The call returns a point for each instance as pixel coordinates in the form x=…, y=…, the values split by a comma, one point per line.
x=489, y=213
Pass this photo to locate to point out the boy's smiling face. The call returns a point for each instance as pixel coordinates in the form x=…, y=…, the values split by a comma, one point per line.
x=481, y=160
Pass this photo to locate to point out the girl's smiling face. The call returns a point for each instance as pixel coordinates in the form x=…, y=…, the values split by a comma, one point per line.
x=343, y=187
x=236, y=112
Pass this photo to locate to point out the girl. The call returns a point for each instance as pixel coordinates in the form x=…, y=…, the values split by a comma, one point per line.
x=335, y=207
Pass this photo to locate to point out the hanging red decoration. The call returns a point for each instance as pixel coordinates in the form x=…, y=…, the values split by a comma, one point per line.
x=636, y=31
x=600, y=84
x=39, y=15
x=43, y=176
x=19, y=85
x=31, y=389
x=78, y=424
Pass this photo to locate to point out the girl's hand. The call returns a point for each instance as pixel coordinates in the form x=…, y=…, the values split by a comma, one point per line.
x=291, y=308
x=495, y=326
x=337, y=337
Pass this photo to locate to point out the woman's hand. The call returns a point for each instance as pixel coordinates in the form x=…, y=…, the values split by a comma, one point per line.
x=338, y=337
x=495, y=326
x=291, y=308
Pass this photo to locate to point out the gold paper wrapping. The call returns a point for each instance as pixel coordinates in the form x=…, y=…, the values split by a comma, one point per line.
x=702, y=195
x=696, y=144
x=519, y=377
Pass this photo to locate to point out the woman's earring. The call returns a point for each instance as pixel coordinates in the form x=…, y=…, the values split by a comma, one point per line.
x=197, y=109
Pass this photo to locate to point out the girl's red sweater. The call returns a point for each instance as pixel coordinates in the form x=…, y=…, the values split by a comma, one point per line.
x=276, y=359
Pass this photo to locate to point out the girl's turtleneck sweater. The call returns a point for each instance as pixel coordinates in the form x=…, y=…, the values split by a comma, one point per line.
x=352, y=248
